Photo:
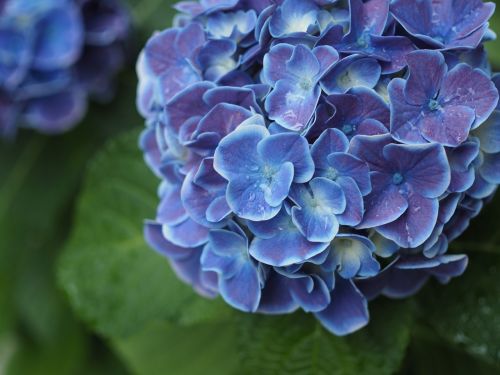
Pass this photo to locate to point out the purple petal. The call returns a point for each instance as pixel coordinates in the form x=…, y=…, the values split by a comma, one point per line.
x=327, y=56
x=353, y=214
x=425, y=167
x=330, y=141
x=427, y=72
x=370, y=150
x=464, y=86
x=275, y=62
x=348, y=165
x=449, y=126
x=405, y=117
x=415, y=226
x=384, y=204
x=291, y=106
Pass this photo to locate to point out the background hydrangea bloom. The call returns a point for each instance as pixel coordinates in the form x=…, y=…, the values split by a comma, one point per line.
x=53, y=55
x=316, y=154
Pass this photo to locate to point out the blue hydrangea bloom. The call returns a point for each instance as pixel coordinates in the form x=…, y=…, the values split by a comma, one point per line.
x=53, y=56
x=316, y=154
x=447, y=24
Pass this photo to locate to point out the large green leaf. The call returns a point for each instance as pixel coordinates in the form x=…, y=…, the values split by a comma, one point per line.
x=199, y=349
x=297, y=344
x=427, y=355
x=466, y=312
x=39, y=177
x=114, y=281
x=294, y=344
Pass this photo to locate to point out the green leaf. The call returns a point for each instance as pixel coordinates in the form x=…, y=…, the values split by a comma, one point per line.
x=61, y=356
x=114, y=281
x=298, y=344
x=493, y=47
x=483, y=235
x=465, y=312
x=151, y=15
x=430, y=356
x=39, y=178
x=207, y=348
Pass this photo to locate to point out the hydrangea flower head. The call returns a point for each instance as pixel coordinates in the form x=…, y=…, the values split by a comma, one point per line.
x=53, y=55
x=316, y=154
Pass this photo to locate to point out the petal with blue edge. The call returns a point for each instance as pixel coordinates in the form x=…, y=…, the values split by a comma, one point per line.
x=348, y=311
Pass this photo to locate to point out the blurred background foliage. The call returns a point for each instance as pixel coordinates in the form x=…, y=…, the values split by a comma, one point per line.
x=80, y=292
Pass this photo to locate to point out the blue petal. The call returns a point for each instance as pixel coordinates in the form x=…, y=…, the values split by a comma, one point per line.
x=330, y=141
x=59, y=40
x=228, y=244
x=449, y=126
x=224, y=266
x=283, y=244
x=243, y=290
x=347, y=165
x=276, y=297
x=315, y=217
x=277, y=190
x=186, y=234
x=171, y=210
x=489, y=133
x=235, y=155
x=353, y=254
x=288, y=147
x=304, y=65
x=351, y=71
x=247, y=198
x=314, y=300
x=154, y=237
x=55, y=114
x=293, y=16
x=348, y=311
x=370, y=150
x=490, y=170
x=353, y=214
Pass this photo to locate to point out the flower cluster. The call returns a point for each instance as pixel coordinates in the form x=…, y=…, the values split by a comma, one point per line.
x=53, y=55
x=316, y=154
